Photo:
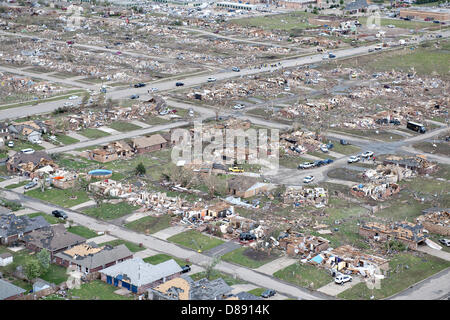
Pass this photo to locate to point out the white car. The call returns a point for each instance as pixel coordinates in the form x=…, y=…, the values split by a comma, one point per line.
x=353, y=159
x=341, y=279
x=390, y=26
x=68, y=104
x=38, y=142
x=11, y=144
x=306, y=165
x=239, y=106
x=445, y=242
x=367, y=154
x=154, y=89
x=211, y=79
x=27, y=151
x=308, y=179
x=324, y=149
x=73, y=97
x=325, y=57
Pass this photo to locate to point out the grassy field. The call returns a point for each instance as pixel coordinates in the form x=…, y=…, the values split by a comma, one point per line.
x=288, y=21
x=441, y=147
x=133, y=247
x=257, y=291
x=304, y=275
x=93, y=133
x=64, y=198
x=96, y=290
x=345, y=149
x=20, y=145
x=158, y=258
x=345, y=174
x=402, y=23
x=400, y=277
x=66, y=140
x=195, y=240
x=150, y=224
x=83, y=232
x=77, y=163
x=371, y=134
x=292, y=162
x=124, y=126
x=246, y=257
x=109, y=211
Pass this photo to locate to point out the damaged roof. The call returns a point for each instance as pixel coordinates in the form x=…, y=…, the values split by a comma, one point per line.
x=53, y=238
x=11, y=224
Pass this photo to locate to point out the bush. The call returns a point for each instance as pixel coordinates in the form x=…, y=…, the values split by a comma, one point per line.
x=394, y=245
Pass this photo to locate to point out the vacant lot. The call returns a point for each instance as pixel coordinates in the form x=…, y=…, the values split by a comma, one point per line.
x=304, y=275
x=345, y=174
x=109, y=211
x=195, y=240
x=123, y=126
x=405, y=270
x=93, y=133
x=249, y=257
x=150, y=224
x=64, y=198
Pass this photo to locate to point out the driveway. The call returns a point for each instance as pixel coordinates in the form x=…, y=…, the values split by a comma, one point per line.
x=223, y=249
x=334, y=289
x=276, y=265
x=168, y=232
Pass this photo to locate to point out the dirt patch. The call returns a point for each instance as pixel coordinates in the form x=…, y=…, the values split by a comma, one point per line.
x=259, y=255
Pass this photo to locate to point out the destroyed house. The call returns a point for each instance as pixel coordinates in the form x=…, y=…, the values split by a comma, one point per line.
x=4, y=131
x=26, y=163
x=64, y=179
x=408, y=233
x=299, y=196
x=418, y=164
x=110, y=187
x=54, y=238
x=303, y=245
x=88, y=257
x=13, y=228
x=137, y=276
x=184, y=288
x=112, y=151
x=375, y=191
x=148, y=144
x=436, y=220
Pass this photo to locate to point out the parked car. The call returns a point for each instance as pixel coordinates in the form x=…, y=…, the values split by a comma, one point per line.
x=341, y=279
x=235, y=69
x=59, y=214
x=27, y=151
x=268, y=293
x=73, y=97
x=154, y=89
x=308, y=179
x=395, y=122
x=353, y=159
x=367, y=154
x=185, y=269
x=68, y=104
x=139, y=85
x=371, y=50
x=134, y=96
x=11, y=144
x=343, y=142
x=179, y=84
x=390, y=26
x=238, y=106
x=235, y=169
x=331, y=55
x=324, y=148
x=328, y=161
x=210, y=79
x=30, y=185
x=445, y=242
x=306, y=165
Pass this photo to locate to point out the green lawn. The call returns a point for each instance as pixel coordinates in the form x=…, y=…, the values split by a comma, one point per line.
x=158, y=258
x=195, y=240
x=244, y=257
x=83, y=232
x=371, y=134
x=20, y=145
x=154, y=120
x=441, y=148
x=304, y=275
x=292, y=162
x=56, y=274
x=150, y=224
x=48, y=217
x=93, y=133
x=133, y=247
x=109, y=211
x=64, y=198
x=16, y=185
x=401, y=23
x=288, y=21
x=257, y=291
x=124, y=126
x=76, y=163
x=345, y=149
x=65, y=140
x=400, y=278
x=96, y=290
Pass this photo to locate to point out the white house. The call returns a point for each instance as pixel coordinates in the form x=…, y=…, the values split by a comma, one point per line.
x=5, y=259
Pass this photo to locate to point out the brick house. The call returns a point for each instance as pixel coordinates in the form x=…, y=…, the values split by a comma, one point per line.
x=53, y=238
x=14, y=228
x=148, y=144
x=111, y=152
x=90, y=258
x=138, y=276
x=245, y=187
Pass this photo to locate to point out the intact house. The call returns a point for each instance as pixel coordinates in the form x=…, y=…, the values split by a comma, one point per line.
x=245, y=187
x=184, y=288
x=408, y=233
x=28, y=163
x=111, y=152
x=54, y=238
x=5, y=259
x=148, y=144
x=138, y=276
x=8, y=291
x=14, y=228
x=88, y=257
